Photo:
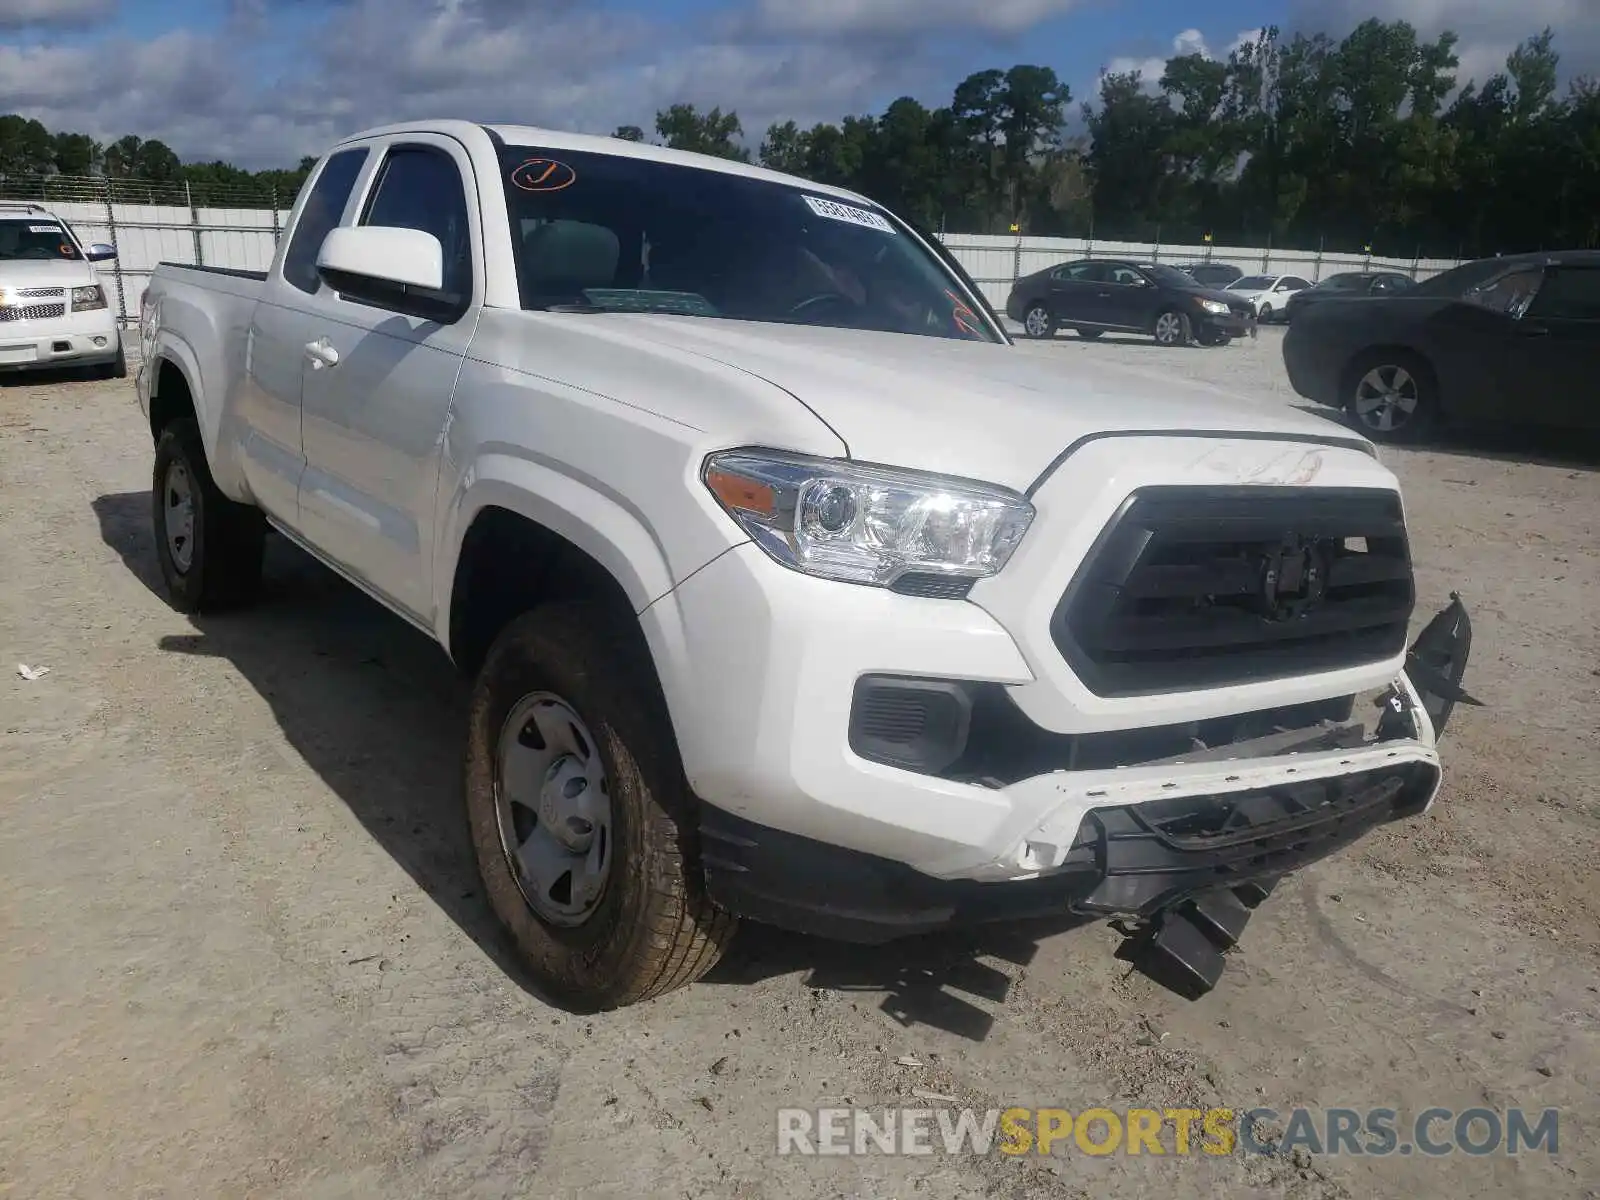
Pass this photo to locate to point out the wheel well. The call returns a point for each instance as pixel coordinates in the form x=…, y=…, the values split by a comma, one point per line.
x=169, y=398
x=510, y=564
x=1347, y=377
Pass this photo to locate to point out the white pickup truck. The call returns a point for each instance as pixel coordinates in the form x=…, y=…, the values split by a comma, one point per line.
x=791, y=588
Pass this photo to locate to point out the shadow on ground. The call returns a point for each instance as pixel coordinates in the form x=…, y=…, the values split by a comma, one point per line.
x=377, y=711
x=1570, y=448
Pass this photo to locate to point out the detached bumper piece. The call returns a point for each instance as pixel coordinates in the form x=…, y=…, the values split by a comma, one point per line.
x=1186, y=871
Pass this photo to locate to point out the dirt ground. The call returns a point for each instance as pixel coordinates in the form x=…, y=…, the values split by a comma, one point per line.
x=243, y=952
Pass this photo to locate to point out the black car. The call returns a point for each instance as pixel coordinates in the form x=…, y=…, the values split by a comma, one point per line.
x=1211, y=274
x=1503, y=338
x=1349, y=283
x=1093, y=295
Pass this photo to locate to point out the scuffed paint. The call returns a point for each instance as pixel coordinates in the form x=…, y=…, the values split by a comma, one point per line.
x=1241, y=463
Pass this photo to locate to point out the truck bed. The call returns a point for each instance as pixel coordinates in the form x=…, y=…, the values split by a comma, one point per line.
x=257, y=276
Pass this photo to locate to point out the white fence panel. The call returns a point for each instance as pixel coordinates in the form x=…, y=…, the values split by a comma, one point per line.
x=246, y=239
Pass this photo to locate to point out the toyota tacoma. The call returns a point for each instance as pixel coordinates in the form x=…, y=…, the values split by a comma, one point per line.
x=789, y=587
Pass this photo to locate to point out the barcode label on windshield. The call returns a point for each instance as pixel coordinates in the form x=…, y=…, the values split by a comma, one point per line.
x=833, y=210
x=44, y=229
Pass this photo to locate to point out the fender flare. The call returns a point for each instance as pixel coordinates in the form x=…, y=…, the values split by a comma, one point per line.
x=597, y=520
x=171, y=349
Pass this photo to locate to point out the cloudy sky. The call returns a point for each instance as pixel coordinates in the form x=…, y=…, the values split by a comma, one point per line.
x=261, y=82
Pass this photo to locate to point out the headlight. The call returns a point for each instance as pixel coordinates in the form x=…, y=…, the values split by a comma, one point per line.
x=85, y=298
x=863, y=524
x=1214, y=306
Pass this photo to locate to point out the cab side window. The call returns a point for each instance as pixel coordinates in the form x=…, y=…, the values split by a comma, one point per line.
x=420, y=187
x=322, y=210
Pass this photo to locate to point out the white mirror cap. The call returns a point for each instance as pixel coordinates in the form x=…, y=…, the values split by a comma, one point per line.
x=404, y=256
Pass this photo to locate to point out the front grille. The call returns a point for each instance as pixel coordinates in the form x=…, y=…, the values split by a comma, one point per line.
x=32, y=312
x=47, y=293
x=1208, y=587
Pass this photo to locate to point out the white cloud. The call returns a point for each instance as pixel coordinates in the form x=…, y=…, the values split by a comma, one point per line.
x=558, y=63
x=843, y=17
x=20, y=14
x=1488, y=31
x=1190, y=41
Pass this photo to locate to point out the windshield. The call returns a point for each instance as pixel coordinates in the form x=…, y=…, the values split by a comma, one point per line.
x=1252, y=283
x=607, y=232
x=35, y=238
x=1458, y=281
x=1170, y=276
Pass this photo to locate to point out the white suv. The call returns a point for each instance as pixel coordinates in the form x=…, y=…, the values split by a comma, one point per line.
x=53, y=308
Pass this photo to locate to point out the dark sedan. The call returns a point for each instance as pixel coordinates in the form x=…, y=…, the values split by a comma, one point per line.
x=1349, y=283
x=1211, y=274
x=1093, y=295
x=1515, y=338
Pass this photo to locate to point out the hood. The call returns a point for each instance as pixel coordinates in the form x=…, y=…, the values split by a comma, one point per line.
x=45, y=272
x=1211, y=293
x=991, y=412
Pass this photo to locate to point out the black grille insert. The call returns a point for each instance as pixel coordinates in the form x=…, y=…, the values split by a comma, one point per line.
x=1207, y=587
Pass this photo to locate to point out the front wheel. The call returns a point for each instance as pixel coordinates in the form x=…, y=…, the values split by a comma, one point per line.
x=580, y=815
x=1038, y=323
x=1173, y=329
x=117, y=368
x=1264, y=317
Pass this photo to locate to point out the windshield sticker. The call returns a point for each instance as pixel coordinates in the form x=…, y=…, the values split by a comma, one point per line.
x=44, y=229
x=961, y=313
x=848, y=213
x=543, y=175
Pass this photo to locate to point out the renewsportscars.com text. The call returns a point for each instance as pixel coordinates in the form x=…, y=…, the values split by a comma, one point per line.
x=1171, y=1131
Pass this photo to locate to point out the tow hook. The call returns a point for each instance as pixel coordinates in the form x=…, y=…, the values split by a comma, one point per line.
x=1181, y=948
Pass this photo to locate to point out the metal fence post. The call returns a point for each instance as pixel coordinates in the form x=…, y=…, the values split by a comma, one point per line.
x=1321, y=243
x=116, y=263
x=277, y=233
x=194, y=220
x=1016, y=256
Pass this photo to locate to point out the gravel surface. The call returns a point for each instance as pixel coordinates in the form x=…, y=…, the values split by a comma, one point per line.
x=243, y=953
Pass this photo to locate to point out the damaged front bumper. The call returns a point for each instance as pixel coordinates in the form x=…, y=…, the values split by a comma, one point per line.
x=1183, y=871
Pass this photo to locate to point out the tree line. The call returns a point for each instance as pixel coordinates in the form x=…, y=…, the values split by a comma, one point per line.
x=1364, y=141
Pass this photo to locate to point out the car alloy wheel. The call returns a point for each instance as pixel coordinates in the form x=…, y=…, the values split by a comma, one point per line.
x=1169, y=328
x=1037, y=322
x=1386, y=398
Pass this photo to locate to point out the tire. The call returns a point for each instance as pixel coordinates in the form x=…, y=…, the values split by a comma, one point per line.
x=117, y=368
x=1391, y=396
x=1264, y=317
x=215, y=562
x=1091, y=335
x=1172, y=328
x=647, y=927
x=1037, y=322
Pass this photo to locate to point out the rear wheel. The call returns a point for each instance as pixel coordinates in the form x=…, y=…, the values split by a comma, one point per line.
x=1038, y=323
x=581, y=817
x=208, y=546
x=1173, y=329
x=1391, y=395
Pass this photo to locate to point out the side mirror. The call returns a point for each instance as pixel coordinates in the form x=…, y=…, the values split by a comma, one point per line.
x=100, y=252
x=387, y=267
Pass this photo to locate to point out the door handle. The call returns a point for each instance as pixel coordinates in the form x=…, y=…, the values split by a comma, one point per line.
x=1104, y=295
x=1534, y=330
x=321, y=354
